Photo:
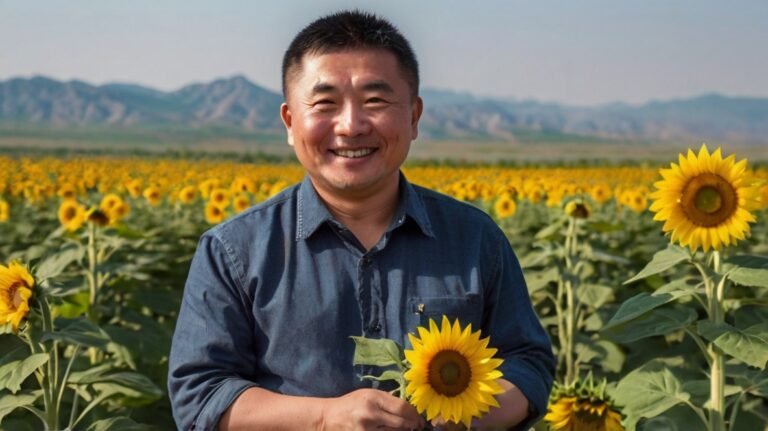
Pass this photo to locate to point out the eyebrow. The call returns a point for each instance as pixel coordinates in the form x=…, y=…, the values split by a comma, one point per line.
x=375, y=85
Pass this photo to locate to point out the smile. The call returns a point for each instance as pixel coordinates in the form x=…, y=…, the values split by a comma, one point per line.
x=354, y=154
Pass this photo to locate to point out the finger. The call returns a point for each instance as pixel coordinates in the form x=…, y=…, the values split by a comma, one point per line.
x=400, y=408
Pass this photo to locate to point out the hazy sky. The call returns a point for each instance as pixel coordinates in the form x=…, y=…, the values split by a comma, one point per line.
x=579, y=52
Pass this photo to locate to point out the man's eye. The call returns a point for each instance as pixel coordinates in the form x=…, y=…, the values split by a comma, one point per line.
x=376, y=100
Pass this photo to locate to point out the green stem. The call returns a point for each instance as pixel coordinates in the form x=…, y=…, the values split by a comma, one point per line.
x=717, y=366
x=570, y=304
x=734, y=411
x=92, y=268
x=96, y=401
x=65, y=377
x=47, y=382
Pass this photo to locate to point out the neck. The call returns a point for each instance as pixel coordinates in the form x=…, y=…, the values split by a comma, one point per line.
x=367, y=214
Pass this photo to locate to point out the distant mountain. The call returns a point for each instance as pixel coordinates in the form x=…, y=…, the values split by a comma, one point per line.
x=238, y=103
x=234, y=102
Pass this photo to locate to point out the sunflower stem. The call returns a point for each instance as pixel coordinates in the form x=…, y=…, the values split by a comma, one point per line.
x=717, y=366
x=570, y=304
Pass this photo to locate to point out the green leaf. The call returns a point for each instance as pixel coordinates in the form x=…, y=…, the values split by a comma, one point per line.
x=549, y=231
x=688, y=284
x=378, y=352
x=662, y=261
x=78, y=331
x=9, y=403
x=537, y=280
x=13, y=374
x=594, y=295
x=121, y=423
x=749, y=345
x=128, y=383
x=386, y=375
x=660, y=321
x=55, y=264
x=649, y=391
x=749, y=270
x=641, y=304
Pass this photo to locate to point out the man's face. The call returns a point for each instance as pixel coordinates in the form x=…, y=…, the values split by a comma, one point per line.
x=350, y=118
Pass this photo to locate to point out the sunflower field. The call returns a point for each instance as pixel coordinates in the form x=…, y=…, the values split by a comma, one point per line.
x=652, y=282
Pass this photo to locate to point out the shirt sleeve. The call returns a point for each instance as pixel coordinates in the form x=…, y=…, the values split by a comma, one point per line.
x=516, y=331
x=212, y=348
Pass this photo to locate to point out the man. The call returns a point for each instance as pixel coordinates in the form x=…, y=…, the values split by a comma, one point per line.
x=274, y=294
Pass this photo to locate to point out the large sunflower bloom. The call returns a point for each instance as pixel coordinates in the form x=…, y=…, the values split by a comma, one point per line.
x=705, y=201
x=15, y=290
x=571, y=413
x=453, y=374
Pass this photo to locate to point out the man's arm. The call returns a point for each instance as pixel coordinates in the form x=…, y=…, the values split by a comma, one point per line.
x=258, y=408
x=515, y=330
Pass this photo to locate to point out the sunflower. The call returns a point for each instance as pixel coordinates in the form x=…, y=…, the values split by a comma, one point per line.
x=110, y=202
x=241, y=203
x=15, y=290
x=570, y=413
x=219, y=197
x=72, y=215
x=453, y=374
x=705, y=201
x=505, y=206
x=582, y=406
x=600, y=193
x=214, y=214
x=577, y=209
x=187, y=194
x=5, y=211
x=152, y=195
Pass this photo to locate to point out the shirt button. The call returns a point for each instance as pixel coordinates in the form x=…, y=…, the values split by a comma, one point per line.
x=366, y=261
x=376, y=328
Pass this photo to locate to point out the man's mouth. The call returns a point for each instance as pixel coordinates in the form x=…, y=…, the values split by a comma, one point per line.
x=354, y=154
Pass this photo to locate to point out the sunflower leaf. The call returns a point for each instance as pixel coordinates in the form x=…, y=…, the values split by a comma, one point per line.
x=120, y=423
x=13, y=374
x=377, y=352
x=79, y=331
x=641, y=304
x=659, y=321
x=662, y=261
x=649, y=391
x=386, y=375
x=55, y=264
x=749, y=345
x=749, y=270
x=9, y=403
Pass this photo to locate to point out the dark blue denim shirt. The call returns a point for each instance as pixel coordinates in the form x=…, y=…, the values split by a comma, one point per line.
x=274, y=294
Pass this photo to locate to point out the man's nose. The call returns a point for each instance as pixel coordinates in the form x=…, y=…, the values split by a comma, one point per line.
x=352, y=121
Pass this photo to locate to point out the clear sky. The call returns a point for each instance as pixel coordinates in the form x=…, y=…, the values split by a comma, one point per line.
x=582, y=52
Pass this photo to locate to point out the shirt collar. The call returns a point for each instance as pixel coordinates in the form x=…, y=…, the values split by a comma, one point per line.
x=311, y=212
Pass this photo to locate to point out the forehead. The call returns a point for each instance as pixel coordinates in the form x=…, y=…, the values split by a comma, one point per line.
x=348, y=66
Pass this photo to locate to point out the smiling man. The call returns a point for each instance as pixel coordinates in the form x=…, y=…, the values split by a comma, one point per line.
x=274, y=294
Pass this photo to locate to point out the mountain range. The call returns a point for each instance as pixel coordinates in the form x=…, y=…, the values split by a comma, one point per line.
x=238, y=103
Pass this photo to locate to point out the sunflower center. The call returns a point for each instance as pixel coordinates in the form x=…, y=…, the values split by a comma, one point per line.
x=14, y=296
x=708, y=200
x=69, y=214
x=449, y=373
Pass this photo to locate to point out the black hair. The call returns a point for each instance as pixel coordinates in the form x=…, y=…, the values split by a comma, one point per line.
x=347, y=30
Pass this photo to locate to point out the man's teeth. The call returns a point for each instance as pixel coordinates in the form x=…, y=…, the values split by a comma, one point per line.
x=353, y=154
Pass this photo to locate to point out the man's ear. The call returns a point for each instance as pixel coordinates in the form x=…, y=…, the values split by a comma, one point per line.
x=285, y=115
x=418, y=108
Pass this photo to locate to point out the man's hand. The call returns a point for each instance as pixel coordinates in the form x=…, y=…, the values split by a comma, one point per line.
x=369, y=409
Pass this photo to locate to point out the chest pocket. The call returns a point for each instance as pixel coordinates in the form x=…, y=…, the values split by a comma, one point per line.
x=468, y=309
